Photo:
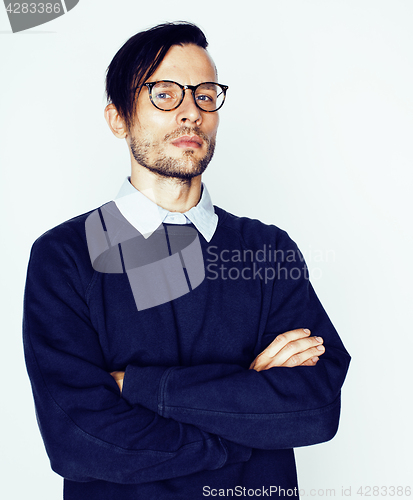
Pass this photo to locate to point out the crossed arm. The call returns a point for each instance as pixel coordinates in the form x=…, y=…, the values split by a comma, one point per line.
x=289, y=349
x=170, y=421
x=261, y=407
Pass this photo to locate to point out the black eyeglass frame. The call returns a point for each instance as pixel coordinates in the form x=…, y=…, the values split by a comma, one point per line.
x=193, y=88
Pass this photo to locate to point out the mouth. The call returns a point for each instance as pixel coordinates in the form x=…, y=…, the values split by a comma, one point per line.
x=184, y=142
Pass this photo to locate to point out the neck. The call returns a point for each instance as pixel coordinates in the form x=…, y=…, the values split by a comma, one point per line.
x=170, y=193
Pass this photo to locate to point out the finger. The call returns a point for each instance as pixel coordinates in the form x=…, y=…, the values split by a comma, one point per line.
x=311, y=362
x=118, y=375
x=295, y=347
x=309, y=357
x=293, y=354
x=283, y=339
x=305, y=356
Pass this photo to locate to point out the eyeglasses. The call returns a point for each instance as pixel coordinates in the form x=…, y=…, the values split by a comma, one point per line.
x=167, y=95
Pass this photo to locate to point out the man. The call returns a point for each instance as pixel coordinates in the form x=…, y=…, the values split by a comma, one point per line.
x=146, y=389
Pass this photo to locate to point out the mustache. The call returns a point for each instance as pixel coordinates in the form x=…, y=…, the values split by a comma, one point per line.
x=187, y=131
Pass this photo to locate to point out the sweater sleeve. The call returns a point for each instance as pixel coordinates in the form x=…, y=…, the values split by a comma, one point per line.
x=90, y=432
x=271, y=409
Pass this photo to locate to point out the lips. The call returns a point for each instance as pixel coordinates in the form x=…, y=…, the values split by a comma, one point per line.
x=187, y=141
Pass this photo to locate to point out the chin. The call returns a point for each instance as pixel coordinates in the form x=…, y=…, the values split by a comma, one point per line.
x=183, y=165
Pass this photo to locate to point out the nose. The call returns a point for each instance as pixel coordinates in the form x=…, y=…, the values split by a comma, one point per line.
x=188, y=111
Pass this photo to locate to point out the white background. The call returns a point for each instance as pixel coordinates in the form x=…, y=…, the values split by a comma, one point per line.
x=323, y=148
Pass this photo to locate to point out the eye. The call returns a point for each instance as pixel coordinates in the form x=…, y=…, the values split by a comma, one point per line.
x=162, y=95
x=204, y=98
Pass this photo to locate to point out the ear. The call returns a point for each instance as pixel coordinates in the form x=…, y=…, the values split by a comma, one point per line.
x=115, y=122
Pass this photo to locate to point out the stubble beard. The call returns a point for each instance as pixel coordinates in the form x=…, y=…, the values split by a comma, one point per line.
x=184, y=168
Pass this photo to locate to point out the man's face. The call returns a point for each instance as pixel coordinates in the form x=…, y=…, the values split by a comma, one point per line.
x=178, y=143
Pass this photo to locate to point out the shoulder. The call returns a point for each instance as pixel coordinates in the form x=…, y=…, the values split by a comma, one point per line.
x=67, y=232
x=253, y=232
x=65, y=242
x=70, y=231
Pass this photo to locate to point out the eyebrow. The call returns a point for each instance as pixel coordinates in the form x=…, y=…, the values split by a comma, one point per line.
x=210, y=86
x=166, y=84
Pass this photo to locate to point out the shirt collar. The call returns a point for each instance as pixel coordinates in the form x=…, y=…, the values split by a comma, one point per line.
x=146, y=216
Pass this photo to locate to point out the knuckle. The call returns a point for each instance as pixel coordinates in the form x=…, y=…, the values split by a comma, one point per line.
x=281, y=338
x=289, y=347
x=262, y=356
x=257, y=361
x=294, y=360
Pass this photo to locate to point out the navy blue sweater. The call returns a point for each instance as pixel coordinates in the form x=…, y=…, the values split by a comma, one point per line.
x=192, y=419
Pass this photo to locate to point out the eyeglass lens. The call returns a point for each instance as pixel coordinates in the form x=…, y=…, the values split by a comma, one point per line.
x=168, y=95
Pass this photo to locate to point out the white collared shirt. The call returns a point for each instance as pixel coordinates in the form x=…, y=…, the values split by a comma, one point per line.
x=146, y=216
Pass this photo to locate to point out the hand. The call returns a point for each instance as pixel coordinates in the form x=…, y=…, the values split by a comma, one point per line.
x=292, y=348
x=118, y=376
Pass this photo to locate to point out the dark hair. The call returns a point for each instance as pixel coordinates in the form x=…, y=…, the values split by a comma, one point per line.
x=139, y=58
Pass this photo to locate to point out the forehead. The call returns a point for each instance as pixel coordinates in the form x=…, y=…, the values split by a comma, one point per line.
x=187, y=64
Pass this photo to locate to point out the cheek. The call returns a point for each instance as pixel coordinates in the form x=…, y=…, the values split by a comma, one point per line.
x=159, y=125
x=151, y=120
x=213, y=125
x=158, y=118
x=150, y=129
